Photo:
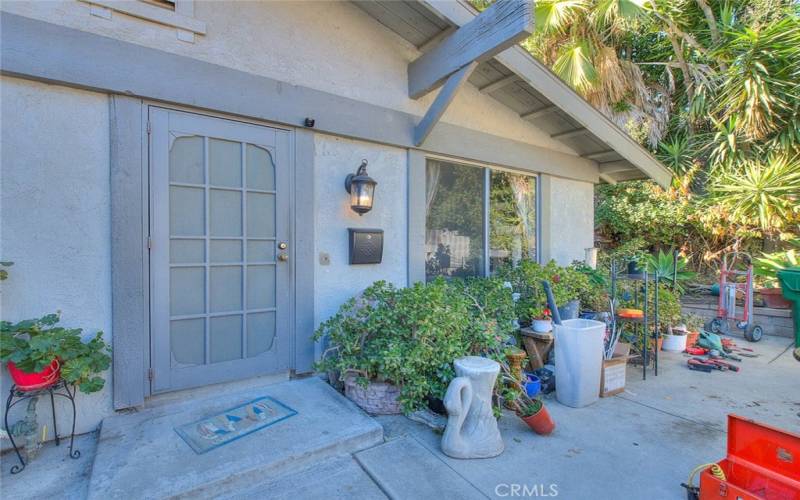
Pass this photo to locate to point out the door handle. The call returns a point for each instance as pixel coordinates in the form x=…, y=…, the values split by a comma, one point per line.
x=283, y=257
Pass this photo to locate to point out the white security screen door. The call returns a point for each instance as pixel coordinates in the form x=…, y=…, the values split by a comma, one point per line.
x=219, y=258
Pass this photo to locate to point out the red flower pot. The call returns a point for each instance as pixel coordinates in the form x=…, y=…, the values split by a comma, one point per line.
x=29, y=381
x=540, y=422
x=773, y=297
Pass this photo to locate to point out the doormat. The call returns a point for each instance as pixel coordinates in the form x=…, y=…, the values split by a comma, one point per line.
x=234, y=423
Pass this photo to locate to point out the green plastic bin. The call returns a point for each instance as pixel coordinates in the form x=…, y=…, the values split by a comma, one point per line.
x=790, y=286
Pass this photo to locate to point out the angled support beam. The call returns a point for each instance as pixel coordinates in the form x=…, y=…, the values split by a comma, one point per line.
x=499, y=84
x=570, y=133
x=598, y=154
x=442, y=101
x=537, y=113
x=500, y=26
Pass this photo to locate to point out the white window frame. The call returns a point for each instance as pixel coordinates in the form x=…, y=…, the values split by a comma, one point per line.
x=181, y=18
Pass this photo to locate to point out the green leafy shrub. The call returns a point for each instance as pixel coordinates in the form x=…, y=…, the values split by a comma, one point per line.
x=410, y=336
x=33, y=344
x=567, y=283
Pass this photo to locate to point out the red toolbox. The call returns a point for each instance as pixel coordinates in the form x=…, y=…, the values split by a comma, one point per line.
x=763, y=463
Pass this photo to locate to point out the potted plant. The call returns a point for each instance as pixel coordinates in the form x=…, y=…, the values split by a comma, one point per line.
x=674, y=339
x=693, y=325
x=38, y=353
x=533, y=412
x=766, y=269
x=541, y=320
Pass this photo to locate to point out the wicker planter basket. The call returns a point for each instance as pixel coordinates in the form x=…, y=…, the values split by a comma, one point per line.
x=378, y=398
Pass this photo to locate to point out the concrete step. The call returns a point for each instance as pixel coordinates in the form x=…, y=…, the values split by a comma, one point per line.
x=404, y=469
x=141, y=455
x=339, y=477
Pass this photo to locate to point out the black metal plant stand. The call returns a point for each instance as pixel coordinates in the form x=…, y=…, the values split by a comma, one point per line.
x=17, y=395
x=641, y=291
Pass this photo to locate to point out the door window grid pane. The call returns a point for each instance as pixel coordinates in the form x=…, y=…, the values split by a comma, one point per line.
x=445, y=183
x=267, y=236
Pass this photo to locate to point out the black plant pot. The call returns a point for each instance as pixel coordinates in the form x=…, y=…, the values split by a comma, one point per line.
x=436, y=405
x=633, y=268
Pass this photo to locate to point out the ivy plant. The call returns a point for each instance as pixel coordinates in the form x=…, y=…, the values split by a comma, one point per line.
x=34, y=343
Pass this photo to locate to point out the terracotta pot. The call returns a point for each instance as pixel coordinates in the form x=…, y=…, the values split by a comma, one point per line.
x=30, y=381
x=540, y=422
x=691, y=338
x=773, y=297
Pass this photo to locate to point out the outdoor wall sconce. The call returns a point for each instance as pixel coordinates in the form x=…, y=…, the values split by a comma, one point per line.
x=361, y=188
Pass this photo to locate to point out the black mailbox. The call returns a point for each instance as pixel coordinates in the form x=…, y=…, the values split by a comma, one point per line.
x=366, y=246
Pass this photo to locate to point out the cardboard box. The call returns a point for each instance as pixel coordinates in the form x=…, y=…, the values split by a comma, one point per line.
x=612, y=375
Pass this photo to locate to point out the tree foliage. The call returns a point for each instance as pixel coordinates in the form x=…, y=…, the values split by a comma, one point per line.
x=711, y=87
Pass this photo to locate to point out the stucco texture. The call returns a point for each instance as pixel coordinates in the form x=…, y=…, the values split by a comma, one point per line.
x=335, y=158
x=331, y=46
x=54, y=220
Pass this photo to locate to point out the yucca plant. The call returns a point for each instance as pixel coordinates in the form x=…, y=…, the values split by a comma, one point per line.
x=762, y=194
x=768, y=265
x=665, y=267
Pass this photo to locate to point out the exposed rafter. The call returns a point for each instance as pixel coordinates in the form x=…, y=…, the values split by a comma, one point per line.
x=615, y=167
x=538, y=113
x=500, y=26
x=598, y=154
x=570, y=133
x=499, y=84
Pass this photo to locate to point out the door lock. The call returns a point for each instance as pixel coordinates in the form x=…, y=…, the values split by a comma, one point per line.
x=282, y=245
x=283, y=257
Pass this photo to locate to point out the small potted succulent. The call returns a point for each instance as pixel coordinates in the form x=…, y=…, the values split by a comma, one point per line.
x=541, y=319
x=693, y=325
x=38, y=353
x=533, y=412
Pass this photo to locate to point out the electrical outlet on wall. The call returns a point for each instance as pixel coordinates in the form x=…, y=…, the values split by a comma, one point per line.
x=324, y=259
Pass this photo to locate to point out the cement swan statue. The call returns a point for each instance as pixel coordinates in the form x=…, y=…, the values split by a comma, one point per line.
x=471, y=430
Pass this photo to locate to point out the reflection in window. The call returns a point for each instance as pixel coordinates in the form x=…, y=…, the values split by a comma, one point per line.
x=454, y=228
x=456, y=201
x=512, y=217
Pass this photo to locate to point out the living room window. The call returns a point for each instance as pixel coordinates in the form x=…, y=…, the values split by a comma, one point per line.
x=477, y=219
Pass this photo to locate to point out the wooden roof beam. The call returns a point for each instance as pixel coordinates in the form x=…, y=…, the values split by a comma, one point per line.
x=499, y=84
x=598, y=154
x=570, y=133
x=502, y=25
x=538, y=113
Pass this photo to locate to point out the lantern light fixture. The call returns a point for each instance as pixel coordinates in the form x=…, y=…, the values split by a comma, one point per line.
x=361, y=188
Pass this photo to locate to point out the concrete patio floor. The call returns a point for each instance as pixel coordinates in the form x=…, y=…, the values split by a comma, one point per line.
x=640, y=444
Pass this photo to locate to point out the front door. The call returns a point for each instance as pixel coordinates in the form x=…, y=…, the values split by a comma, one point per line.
x=219, y=270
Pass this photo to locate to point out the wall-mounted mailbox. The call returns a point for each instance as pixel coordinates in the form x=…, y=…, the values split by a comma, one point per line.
x=366, y=246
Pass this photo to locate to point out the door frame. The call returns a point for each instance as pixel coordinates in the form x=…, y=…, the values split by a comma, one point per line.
x=162, y=377
x=130, y=215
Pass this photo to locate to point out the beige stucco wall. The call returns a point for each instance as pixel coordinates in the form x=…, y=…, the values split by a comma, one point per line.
x=567, y=219
x=334, y=159
x=55, y=220
x=331, y=46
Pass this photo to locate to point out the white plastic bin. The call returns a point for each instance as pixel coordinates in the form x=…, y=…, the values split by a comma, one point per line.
x=579, y=359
